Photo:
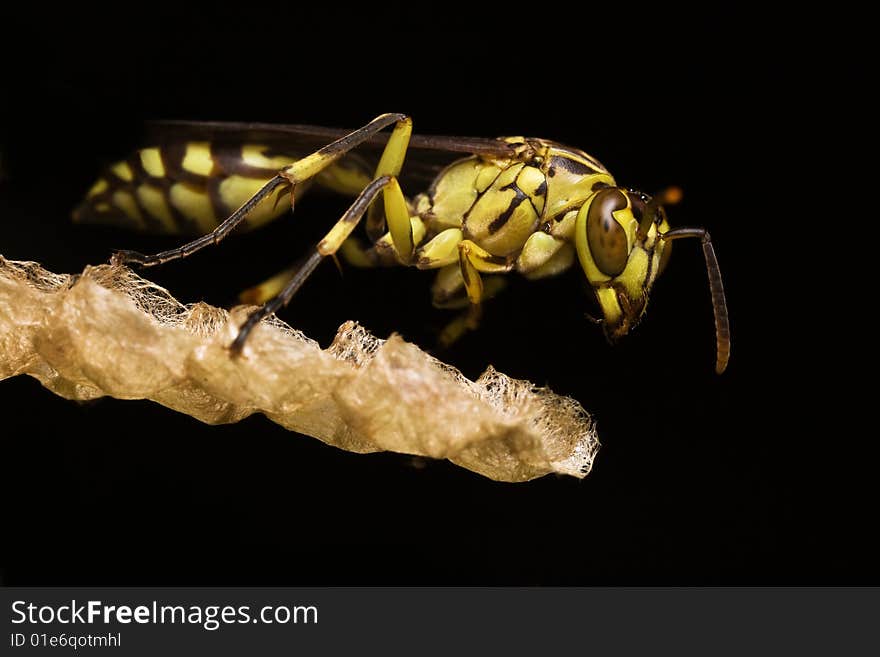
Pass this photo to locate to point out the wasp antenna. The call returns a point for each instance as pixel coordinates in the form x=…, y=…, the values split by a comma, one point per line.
x=719, y=306
x=716, y=288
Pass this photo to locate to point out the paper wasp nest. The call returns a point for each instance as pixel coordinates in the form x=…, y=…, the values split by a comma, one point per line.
x=110, y=332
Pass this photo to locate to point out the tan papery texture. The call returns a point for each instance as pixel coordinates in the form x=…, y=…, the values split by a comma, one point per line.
x=110, y=332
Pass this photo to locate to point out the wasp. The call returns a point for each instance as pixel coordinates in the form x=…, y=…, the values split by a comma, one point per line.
x=512, y=204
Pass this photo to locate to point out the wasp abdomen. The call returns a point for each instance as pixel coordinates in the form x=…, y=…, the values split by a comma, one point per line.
x=186, y=188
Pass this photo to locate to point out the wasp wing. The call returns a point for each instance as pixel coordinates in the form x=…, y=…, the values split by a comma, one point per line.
x=426, y=156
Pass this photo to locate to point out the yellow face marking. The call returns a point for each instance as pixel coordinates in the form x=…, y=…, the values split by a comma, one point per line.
x=236, y=190
x=255, y=156
x=153, y=202
x=635, y=274
x=98, y=188
x=195, y=205
x=125, y=202
x=151, y=160
x=609, y=304
x=122, y=170
x=198, y=158
x=629, y=224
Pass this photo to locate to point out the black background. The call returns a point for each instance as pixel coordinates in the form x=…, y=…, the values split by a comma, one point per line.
x=701, y=479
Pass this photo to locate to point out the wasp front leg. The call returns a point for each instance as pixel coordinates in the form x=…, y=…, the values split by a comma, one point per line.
x=543, y=256
x=448, y=292
x=458, y=283
x=473, y=259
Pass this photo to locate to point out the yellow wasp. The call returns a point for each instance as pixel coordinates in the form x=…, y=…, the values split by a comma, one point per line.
x=508, y=204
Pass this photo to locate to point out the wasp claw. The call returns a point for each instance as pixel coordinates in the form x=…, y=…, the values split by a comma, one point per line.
x=126, y=257
x=236, y=347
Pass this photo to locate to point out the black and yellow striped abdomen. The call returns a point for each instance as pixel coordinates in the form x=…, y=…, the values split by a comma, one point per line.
x=190, y=187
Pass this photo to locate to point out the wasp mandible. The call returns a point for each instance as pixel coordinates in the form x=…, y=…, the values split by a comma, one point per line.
x=527, y=205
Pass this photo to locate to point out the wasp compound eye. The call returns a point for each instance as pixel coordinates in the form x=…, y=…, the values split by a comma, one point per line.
x=606, y=237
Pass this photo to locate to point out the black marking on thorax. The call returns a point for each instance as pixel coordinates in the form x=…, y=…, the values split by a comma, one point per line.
x=519, y=196
x=571, y=165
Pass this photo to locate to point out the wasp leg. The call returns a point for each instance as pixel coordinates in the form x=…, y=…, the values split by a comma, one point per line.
x=543, y=256
x=397, y=212
x=474, y=259
x=269, y=288
x=357, y=255
x=290, y=176
x=353, y=252
x=390, y=164
x=448, y=292
x=465, y=322
x=404, y=234
x=440, y=251
x=214, y=237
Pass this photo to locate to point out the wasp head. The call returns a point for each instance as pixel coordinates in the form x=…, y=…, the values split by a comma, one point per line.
x=618, y=245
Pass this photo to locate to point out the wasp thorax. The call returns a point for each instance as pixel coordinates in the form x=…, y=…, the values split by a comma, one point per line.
x=606, y=237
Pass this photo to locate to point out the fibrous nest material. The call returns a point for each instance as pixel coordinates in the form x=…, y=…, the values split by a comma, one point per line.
x=109, y=332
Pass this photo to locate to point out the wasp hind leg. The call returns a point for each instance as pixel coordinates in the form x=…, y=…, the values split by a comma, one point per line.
x=396, y=247
x=214, y=237
x=397, y=213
